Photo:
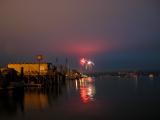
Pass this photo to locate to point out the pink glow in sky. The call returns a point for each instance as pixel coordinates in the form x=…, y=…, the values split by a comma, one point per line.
x=84, y=47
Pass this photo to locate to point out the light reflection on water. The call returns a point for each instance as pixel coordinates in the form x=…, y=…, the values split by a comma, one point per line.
x=87, y=89
x=88, y=98
x=33, y=100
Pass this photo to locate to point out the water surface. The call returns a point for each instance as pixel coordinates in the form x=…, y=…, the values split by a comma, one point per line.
x=100, y=98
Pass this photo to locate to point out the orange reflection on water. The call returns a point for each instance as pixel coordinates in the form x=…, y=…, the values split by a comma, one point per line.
x=87, y=90
x=35, y=100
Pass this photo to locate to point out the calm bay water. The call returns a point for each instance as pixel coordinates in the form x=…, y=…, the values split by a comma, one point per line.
x=98, y=98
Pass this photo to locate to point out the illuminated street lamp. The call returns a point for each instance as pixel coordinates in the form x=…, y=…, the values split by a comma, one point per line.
x=39, y=59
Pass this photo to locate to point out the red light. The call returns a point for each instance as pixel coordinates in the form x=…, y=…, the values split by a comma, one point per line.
x=83, y=61
x=84, y=97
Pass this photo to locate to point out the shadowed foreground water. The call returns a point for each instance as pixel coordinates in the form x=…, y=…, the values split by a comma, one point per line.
x=101, y=98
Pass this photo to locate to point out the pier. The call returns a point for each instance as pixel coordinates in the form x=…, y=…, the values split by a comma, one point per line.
x=34, y=75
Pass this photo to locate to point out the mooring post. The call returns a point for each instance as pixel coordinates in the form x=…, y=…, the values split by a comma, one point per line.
x=22, y=74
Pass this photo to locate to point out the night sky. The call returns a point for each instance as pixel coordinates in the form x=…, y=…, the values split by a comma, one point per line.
x=115, y=34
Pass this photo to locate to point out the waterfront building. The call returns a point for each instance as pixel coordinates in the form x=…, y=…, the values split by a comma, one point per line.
x=31, y=68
